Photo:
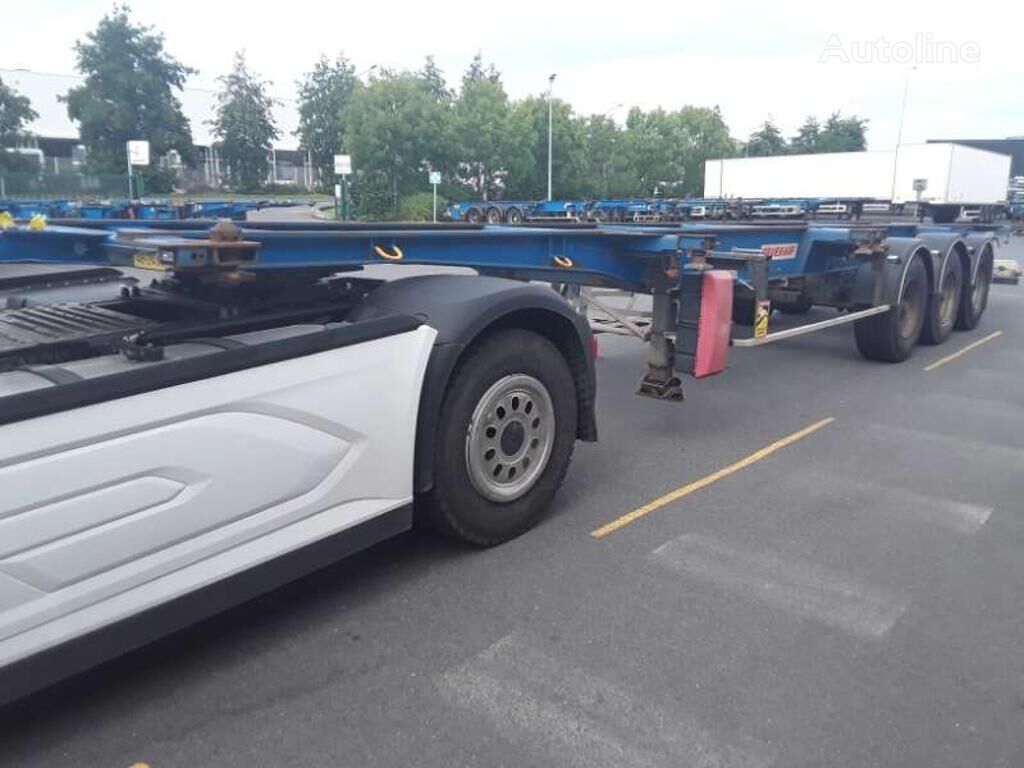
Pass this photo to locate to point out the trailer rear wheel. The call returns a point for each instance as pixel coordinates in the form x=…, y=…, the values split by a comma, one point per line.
x=891, y=336
x=473, y=216
x=975, y=296
x=798, y=306
x=515, y=216
x=743, y=310
x=944, y=306
x=506, y=436
x=493, y=216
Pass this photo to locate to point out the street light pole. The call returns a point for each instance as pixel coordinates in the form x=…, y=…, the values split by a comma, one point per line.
x=903, y=107
x=899, y=133
x=551, y=125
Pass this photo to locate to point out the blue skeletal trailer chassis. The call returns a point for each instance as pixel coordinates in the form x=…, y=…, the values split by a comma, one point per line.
x=899, y=284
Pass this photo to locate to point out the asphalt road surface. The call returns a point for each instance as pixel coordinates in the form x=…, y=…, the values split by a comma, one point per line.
x=854, y=596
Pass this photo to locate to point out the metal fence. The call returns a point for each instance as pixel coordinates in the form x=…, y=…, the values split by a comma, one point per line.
x=74, y=184
x=70, y=185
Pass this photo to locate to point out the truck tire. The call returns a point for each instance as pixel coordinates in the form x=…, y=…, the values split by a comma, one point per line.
x=514, y=216
x=944, y=306
x=505, y=437
x=473, y=216
x=975, y=296
x=493, y=216
x=891, y=336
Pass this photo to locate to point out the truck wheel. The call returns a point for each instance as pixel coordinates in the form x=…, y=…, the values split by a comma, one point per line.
x=493, y=216
x=505, y=438
x=891, y=336
x=473, y=216
x=515, y=216
x=975, y=296
x=944, y=307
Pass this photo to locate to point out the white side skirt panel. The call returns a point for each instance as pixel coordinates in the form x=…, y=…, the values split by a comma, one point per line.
x=111, y=509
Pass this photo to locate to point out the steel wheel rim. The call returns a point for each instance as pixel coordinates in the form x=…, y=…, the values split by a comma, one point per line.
x=510, y=437
x=910, y=309
x=950, y=291
x=980, y=293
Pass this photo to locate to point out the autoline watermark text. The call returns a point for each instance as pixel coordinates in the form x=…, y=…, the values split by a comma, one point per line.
x=923, y=49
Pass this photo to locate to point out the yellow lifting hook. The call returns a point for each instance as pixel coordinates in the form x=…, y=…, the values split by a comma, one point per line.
x=562, y=261
x=388, y=256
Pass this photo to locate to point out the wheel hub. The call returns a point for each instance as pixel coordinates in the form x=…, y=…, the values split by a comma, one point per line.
x=510, y=437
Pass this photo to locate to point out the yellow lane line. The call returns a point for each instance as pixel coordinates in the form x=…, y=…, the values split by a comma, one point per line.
x=965, y=350
x=707, y=480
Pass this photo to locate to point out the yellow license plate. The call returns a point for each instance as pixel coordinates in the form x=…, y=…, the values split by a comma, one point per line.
x=148, y=261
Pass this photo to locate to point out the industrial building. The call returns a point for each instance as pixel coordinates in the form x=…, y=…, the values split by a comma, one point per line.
x=54, y=136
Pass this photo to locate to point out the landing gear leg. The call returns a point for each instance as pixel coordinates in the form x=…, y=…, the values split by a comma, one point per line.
x=660, y=381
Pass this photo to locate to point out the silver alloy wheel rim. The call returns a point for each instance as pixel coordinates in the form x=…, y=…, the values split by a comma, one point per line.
x=950, y=290
x=509, y=438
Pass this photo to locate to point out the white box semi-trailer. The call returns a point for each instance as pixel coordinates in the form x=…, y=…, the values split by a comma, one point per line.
x=832, y=174
x=952, y=178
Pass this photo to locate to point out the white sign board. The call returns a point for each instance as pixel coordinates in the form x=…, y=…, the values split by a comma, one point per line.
x=342, y=165
x=435, y=177
x=138, y=152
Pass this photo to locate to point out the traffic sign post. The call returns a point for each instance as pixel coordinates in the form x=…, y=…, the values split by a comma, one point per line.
x=435, y=179
x=138, y=154
x=342, y=168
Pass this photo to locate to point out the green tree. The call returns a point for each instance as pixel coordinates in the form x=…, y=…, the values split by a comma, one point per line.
x=527, y=161
x=481, y=129
x=703, y=135
x=323, y=97
x=766, y=141
x=15, y=113
x=843, y=134
x=432, y=75
x=606, y=172
x=130, y=92
x=653, y=148
x=808, y=138
x=244, y=124
x=396, y=130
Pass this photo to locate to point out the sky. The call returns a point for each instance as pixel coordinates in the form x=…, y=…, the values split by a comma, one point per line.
x=754, y=60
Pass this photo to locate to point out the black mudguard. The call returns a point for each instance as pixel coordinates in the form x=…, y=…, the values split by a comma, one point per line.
x=462, y=308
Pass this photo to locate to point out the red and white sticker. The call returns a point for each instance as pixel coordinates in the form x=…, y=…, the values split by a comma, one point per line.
x=778, y=251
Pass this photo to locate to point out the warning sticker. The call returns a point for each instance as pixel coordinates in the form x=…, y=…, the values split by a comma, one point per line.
x=778, y=251
x=764, y=310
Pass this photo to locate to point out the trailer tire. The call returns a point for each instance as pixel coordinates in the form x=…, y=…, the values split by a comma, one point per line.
x=510, y=409
x=514, y=216
x=473, y=216
x=743, y=310
x=975, y=297
x=944, y=304
x=493, y=216
x=890, y=337
x=800, y=306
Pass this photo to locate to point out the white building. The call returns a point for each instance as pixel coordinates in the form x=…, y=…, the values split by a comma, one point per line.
x=55, y=135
